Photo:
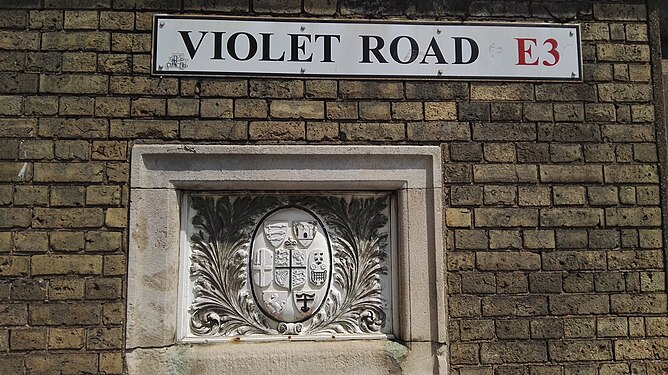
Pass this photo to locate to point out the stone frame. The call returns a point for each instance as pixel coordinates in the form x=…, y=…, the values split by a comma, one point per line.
x=160, y=172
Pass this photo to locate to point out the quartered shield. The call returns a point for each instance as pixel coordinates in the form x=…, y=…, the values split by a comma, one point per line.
x=290, y=265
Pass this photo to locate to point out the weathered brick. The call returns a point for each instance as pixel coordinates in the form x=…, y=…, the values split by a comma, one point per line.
x=162, y=129
x=633, y=217
x=595, y=350
x=106, y=288
x=532, y=305
x=320, y=89
x=72, y=196
x=624, y=92
x=512, y=329
x=43, y=364
x=628, y=133
x=270, y=89
x=28, y=339
x=464, y=353
x=458, y=217
x=66, y=288
x=18, y=83
x=497, y=195
x=148, y=107
x=31, y=241
x=76, y=41
x=322, y=131
x=72, y=172
x=437, y=90
x=574, y=260
x=464, y=306
x=503, y=132
x=19, y=40
x=109, y=150
x=505, y=173
x=143, y=85
x=274, y=130
x=500, y=152
x=372, y=131
x=580, y=304
x=502, y=92
x=67, y=241
x=571, y=173
x=508, y=261
x=15, y=217
x=14, y=265
x=112, y=107
x=466, y=152
x=223, y=108
x=297, y=110
x=625, y=12
x=438, y=131
x=631, y=174
x=641, y=349
x=513, y=352
x=634, y=259
x=84, y=19
x=477, y=329
x=73, y=128
x=370, y=90
x=407, y=111
x=622, y=52
x=15, y=172
x=478, y=283
x=341, y=110
x=68, y=217
x=638, y=304
x=566, y=92
x=66, y=338
x=13, y=314
x=66, y=264
x=472, y=111
x=36, y=150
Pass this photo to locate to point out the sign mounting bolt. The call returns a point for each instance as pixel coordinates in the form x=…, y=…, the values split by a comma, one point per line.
x=162, y=24
x=571, y=33
x=573, y=75
x=438, y=31
x=440, y=72
x=160, y=67
x=302, y=28
x=303, y=70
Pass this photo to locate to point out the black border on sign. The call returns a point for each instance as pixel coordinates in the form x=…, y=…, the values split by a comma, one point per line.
x=158, y=17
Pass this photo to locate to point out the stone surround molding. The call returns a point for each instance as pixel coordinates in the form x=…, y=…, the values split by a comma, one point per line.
x=161, y=172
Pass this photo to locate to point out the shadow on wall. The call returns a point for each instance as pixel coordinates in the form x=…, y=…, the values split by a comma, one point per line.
x=664, y=28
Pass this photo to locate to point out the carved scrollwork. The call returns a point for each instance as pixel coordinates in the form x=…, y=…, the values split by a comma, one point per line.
x=223, y=301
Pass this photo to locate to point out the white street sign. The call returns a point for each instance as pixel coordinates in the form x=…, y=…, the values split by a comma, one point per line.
x=201, y=46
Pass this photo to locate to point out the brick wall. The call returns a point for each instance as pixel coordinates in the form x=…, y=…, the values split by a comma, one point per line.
x=554, y=223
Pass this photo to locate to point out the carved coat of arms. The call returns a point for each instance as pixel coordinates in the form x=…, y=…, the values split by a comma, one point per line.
x=291, y=265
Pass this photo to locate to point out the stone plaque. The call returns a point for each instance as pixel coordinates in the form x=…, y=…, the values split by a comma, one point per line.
x=271, y=266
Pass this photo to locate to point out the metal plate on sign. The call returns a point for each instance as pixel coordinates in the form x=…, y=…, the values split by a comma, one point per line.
x=201, y=46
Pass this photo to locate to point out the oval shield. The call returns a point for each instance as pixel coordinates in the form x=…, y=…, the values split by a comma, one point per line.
x=291, y=276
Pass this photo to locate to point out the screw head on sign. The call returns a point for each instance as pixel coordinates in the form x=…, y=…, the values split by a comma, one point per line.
x=302, y=28
x=302, y=70
x=162, y=23
x=440, y=72
x=160, y=67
